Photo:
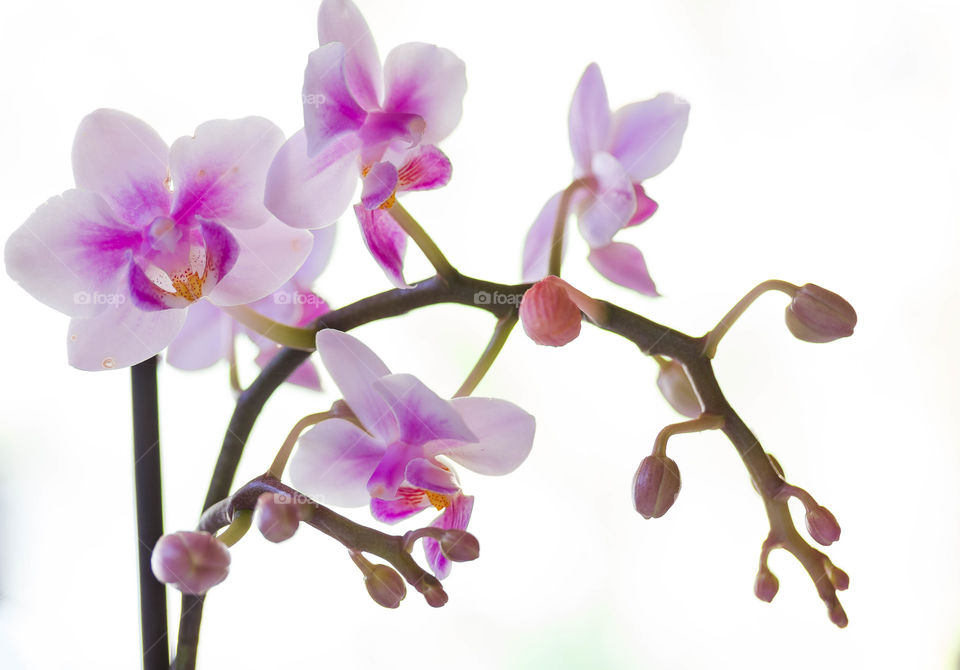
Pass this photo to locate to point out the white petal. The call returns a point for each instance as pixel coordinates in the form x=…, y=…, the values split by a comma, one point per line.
x=505, y=432
x=120, y=336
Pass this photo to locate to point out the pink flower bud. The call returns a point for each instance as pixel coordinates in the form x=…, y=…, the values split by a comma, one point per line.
x=822, y=525
x=838, y=616
x=277, y=516
x=819, y=315
x=766, y=585
x=435, y=596
x=459, y=546
x=191, y=561
x=656, y=486
x=837, y=577
x=676, y=388
x=548, y=313
x=385, y=586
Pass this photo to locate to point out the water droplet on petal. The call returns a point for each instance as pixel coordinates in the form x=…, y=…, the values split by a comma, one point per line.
x=108, y=363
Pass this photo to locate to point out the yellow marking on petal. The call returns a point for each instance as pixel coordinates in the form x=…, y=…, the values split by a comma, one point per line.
x=388, y=203
x=438, y=500
x=188, y=285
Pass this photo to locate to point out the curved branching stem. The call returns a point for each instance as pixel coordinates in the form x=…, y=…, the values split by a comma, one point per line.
x=652, y=339
x=494, y=347
x=714, y=336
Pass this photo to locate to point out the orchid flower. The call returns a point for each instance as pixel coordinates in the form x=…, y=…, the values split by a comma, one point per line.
x=389, y=457
x=365, y=120
x=150, y=230
x=613, y=153
x=209, y=334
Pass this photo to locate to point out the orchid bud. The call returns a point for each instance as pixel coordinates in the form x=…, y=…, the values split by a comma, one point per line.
x=459, y=546
x=277, y=516
x=766, y=585
x=838, y=616
x=818, y=315
x=385, y=586
x=656, y=486
x=190, y=561
x=676, y=388
x=822, y=525
x=435, y=595
x=837, y=577
x=548, y=313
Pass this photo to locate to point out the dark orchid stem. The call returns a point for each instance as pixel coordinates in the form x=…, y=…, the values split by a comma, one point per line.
x=149, y=495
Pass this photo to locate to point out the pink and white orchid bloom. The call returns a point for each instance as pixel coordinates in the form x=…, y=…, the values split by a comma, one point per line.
x=209, y=334
x=613, y=153
x=391, y=459
x=152, y=229
x=365, y=120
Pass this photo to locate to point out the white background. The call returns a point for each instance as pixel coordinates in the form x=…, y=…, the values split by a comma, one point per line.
x=822, y=147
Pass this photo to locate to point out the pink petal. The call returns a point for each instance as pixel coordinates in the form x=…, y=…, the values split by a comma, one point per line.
x=427, y=475
x=536, y=248
x=455, y=515
x=220, y=172
x=428, y=81
x=428, y=168
x=329, y=109
x=422, y=415
x=124, y=160
x=589, y=122
x=120, y=336
x=206, y=338
x=613, y=202
x=408, y=502
x=378, y=185
x=505, y=433
x=268, y=256
x=71, y=253
x=646, y=135
x=305, y=375
x=341, y=21
x=386, y=240
x=646, y=206
x=390, y=471
x=333, y=462
x=354, y=369
x=398, y=128
x=312, y=192
x=623, y=264
x=319, y=257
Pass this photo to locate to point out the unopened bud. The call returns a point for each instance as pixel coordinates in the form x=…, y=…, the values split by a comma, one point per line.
x=837, y=577
x=277, y=516
x=766, y=585
x=435, y=596
x=190, y=561
x=838, y=616
x=459, y=546
x=822, y=525
x=656, y=486
x=818, y=315
x=385, y=586
x=548, y=314
x=675, y=386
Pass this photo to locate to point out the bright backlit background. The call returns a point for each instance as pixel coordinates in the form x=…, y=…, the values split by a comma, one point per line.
x=822, y=147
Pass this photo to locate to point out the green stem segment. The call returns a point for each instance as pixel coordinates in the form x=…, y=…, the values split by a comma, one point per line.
x=289, y=336
x=500, y=334
x=714, y=336
x=559, y=226
x=422, y=240
x=283, y=455
x=698, y=425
